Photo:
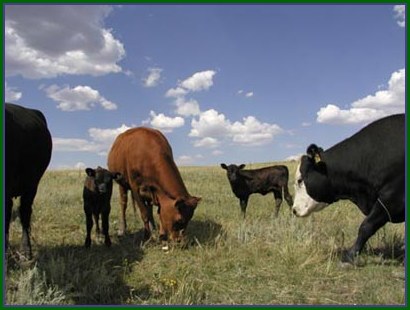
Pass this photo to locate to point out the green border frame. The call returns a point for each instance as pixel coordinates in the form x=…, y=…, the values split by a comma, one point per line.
x=261, y=2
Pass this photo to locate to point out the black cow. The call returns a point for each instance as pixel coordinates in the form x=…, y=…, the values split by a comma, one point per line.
x=28, y=153
x=262, y=181
x=97, y=200
x=367, y=168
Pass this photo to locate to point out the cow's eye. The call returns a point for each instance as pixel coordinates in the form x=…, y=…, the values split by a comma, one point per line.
x=300, y=182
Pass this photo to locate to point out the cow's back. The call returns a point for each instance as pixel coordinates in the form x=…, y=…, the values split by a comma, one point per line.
x=376, y=153
x=28, y=148
x=144, y=155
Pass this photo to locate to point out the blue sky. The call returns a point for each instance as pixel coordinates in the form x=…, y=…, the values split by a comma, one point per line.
x=224, y=83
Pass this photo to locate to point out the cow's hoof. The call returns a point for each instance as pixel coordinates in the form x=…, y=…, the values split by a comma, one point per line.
x=107, y=242
x=87, y=243
x=120, y=233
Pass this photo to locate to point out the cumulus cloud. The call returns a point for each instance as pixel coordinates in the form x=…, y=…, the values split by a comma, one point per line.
x=165, y=123
x=154, y=75
x=400, y=15
x=176, y=92
x=77, y=98
x=248, y=94
x=369, y=108
x=207, y=142
x=187, y=107
x=213, y=126
x=45, y=41
x=11, y=94
x=252, y=132
x=100, y=141
x=198, y=81
x=210, y=124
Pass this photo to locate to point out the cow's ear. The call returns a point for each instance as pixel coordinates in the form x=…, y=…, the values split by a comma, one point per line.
x=242, y=166
x=223, y=166
x=90, y=172
x=191, y=202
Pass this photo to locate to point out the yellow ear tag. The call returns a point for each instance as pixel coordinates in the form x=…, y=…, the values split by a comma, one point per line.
x=317, y=158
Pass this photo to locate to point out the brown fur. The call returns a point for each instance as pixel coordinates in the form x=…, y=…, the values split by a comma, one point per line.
x=144, y=158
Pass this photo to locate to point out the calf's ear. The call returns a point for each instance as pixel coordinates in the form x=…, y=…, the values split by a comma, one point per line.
x=242, y=166
x=223, y=166
x=90, y=172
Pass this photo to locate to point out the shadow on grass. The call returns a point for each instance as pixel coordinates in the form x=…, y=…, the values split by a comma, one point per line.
x=205, y=232
x=94, y=276
x=390, y=253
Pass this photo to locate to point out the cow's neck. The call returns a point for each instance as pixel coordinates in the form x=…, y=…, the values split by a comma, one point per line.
x=170, y=181
x=346, y=182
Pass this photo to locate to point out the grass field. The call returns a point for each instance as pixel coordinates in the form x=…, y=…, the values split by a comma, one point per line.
x=261, y=260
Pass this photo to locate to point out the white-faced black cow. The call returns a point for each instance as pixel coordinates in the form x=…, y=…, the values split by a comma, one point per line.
x=367, y=168
x=97, y=201
x=28, y=152
x=262, y=181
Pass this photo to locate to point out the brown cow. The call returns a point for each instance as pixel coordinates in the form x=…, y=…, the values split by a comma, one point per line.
x=144, y=158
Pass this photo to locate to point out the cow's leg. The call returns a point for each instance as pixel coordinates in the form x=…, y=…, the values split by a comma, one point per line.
x=88, y=224
x=9, y=207
x=105, y=224
x=123, y=208
x=26, y=208
x=278, y=201
x=377, y=218
x=146, y=214
x=288, y=196
x=150, y=206
x=243, y=202
x=96, y=216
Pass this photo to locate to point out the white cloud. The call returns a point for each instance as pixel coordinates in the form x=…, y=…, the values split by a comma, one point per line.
x=199, y=81
x=100, y=141
x=154, y=75
x=165, y=123
x=187, y=107
x=11, y=94
x=306, y=124
x=369, y=108
x=248, y=94
x=250, y=131
x=217, y=152
x=207, y=142
x=400, y=15
x=75, y=145
x=210, y=124
x=294, y=157
x=176, y=92
x=45, y=41
x=106, y=136
x=253, y=132
x=77, y=98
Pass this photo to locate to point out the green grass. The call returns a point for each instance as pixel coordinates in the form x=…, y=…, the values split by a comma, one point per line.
x=260, y=260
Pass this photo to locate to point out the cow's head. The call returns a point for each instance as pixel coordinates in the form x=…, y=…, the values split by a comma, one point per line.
x=101, y=179
x=233, y=171
x=175, y=216
x=313, y=189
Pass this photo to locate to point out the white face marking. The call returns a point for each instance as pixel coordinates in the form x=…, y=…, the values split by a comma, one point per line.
x=303, y=204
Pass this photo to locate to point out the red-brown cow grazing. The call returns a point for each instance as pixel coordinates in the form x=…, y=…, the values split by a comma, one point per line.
x=144, y=158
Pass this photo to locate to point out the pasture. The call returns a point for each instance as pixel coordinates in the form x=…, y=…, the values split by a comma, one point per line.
x=261, y=260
